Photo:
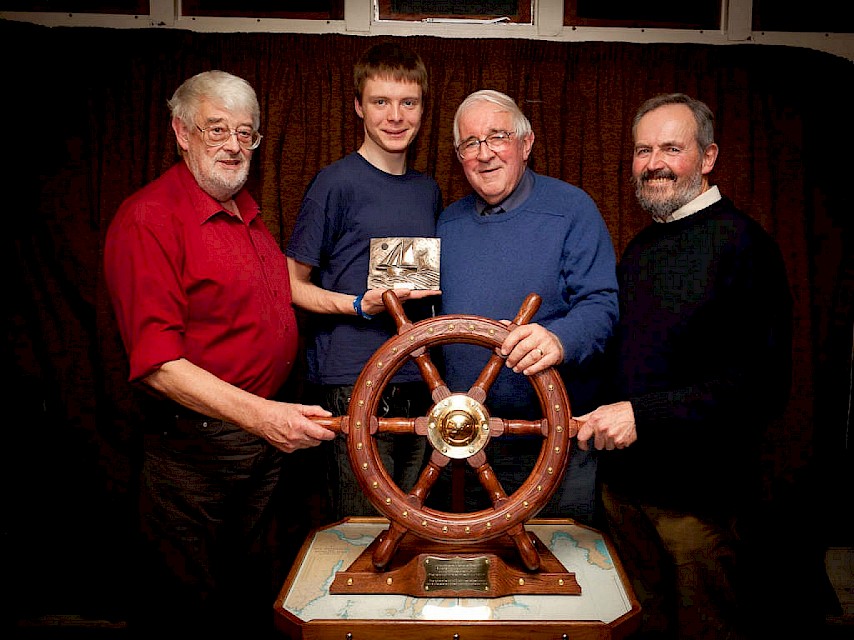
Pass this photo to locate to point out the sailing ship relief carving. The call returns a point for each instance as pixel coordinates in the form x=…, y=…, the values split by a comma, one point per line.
x=404, y=263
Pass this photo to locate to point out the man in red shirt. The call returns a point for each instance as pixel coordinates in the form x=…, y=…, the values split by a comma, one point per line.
x=202, y=298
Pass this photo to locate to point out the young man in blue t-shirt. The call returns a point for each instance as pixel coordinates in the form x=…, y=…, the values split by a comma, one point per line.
x=370, y=193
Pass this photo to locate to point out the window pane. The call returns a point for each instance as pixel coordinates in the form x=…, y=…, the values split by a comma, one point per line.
x=816, y=16
x=516, y=10
x=306, y=9
x=465, y=8
x=676, y=14
x=132, y=8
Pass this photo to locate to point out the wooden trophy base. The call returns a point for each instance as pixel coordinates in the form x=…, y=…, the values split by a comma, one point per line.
x=425, y=569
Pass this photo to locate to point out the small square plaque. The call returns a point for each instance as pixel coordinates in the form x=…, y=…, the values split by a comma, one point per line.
x=411, y=263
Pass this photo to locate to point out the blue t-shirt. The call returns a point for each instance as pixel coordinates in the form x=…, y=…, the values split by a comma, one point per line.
x=348, y=203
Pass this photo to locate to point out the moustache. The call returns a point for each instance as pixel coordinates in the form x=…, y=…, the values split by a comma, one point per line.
x=658, y=174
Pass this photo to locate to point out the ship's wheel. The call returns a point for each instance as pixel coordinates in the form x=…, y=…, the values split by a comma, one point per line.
x=458, y=427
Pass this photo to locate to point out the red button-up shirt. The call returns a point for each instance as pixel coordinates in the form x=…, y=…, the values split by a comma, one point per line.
x=190, y=280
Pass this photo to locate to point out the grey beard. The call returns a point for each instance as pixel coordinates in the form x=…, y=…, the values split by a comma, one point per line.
x=213, y=184
x=661, y=209
x=219, y=189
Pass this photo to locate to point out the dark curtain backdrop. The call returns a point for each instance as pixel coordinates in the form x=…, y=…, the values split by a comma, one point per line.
x=86, y=124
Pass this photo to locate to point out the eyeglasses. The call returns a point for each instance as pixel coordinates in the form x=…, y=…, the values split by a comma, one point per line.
x=497, y=142
x=217, y=135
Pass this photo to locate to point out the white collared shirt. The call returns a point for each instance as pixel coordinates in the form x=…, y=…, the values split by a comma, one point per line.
x=705, y=199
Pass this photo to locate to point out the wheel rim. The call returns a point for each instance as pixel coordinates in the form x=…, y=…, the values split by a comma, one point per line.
x=407, y=510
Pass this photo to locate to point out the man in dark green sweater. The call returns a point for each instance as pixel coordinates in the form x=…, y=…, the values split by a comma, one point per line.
x=703, y=354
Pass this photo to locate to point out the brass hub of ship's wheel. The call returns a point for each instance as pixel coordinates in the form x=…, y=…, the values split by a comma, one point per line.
x=458, y=426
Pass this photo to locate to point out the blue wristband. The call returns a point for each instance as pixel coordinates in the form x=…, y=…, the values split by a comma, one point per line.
x=357, y=307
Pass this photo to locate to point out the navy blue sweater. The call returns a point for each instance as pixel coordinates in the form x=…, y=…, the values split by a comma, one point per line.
x=703, y=352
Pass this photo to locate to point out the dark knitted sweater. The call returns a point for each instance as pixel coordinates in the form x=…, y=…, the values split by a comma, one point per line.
x=703, y=352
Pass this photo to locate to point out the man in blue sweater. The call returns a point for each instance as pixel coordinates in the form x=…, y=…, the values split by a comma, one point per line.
x=703, y=353
x=521, y=233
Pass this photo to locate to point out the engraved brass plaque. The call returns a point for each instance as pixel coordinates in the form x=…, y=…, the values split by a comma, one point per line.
x=456, y=574
x=411, y=263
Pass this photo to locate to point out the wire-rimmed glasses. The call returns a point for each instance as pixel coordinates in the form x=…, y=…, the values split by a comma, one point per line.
x=217, y=135
x=497, y=142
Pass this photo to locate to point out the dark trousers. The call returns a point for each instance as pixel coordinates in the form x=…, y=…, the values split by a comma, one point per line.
x=513, y=460
x=205, y=493
x=403, y=456
x=687, y=570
